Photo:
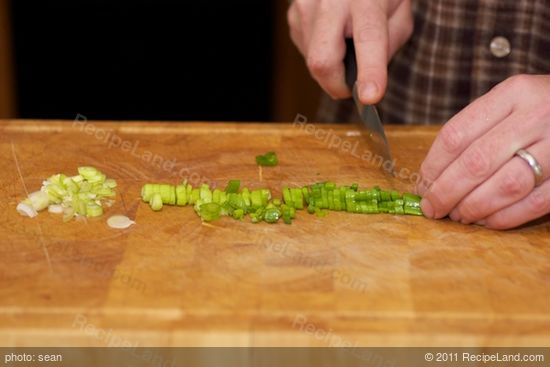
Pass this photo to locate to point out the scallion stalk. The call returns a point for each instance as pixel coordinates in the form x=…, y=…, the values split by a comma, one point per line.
x=268, y=159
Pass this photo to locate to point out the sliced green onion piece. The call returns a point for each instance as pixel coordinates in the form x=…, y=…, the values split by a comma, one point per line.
x=238, y=214
x=181, y=195
x=412, y=211
x=268, y=159
x=88, y=172
x=93, y=210
x=209, y=211
x=147, y=192
x=68, y=214
x=256, y=199
x=156, y=202
x=233, y=186
x=287, y=197
x=55, y=209
x=26, y=209
x=110, y=183
x=39, y=200
x=272, y=215
x=119, y=222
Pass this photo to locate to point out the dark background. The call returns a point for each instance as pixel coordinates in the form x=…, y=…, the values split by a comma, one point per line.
x=155, y=60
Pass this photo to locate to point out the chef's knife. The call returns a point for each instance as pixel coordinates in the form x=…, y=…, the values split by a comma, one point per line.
x=370, y=123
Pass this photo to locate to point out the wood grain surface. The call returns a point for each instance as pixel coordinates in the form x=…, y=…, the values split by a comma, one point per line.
x=344, y=279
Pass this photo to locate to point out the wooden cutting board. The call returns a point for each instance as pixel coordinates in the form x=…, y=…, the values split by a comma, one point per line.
x=170, y=281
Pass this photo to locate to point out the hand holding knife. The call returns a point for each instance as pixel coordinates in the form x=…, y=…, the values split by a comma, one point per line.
x=370, y=120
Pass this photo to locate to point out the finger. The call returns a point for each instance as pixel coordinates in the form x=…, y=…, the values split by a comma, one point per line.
x=295, y=29
x=400, y=27
x=327, y=49
x=370, y=34
x=513, y=182
x=306, y=11
x=460, y=131
x=479, y=162
x=534, y=206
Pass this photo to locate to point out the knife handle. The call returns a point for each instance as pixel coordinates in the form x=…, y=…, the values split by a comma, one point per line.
x=350, y=63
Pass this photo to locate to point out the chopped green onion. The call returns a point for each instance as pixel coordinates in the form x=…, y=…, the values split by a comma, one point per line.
x=120, y=222
x=256, y=199
x=233, y=186
x=156, y=202
x=93, y=210
x=268, y=159
x=83, y=194
x=258, y=204
x=39, y=200
x=55, y=209
x=209, y=211
x=238, y=214
x=26, y=209
x=181, y=195
x=272, y=215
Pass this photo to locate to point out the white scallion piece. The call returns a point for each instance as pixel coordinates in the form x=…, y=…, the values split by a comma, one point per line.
x=39, y=200
x=120, y=222
x=26, y=210
x=55, y=209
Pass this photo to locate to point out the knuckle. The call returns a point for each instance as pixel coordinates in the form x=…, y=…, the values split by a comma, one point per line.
x=475, y=162
x=369, y=32
x=291, y=19
x=302, y=8
x=519, y=82
x=451, y=139
x=513, y=185
x=319, y=66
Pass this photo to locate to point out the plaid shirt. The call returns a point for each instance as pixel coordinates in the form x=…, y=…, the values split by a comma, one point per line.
x=448, y=62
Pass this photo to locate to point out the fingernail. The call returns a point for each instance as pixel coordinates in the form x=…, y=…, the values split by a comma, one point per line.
x=369, y=92
x=427, y=208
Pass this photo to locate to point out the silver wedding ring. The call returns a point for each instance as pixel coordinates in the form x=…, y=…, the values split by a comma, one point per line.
x=533, y=163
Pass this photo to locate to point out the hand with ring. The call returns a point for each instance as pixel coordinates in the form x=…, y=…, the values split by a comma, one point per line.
x=491, y=162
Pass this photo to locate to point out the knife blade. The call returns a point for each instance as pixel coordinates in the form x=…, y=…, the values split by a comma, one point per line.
x=370, y=123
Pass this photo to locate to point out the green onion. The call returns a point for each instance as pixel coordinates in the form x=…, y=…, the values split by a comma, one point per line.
x=297, y=198
x=39, y=200
x=156, y=202
x=181, y=195
x=233, y=186
x=83, y=194
x=94, y=210
x=259, y=205
x=238, y=214
x=120, y=222
x=209, y=212
x=268, y=159
x=287, y=197
x=272, y=215
x=256, y=199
